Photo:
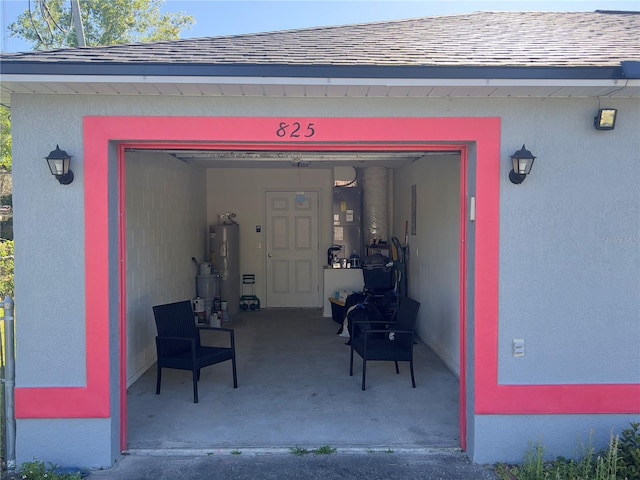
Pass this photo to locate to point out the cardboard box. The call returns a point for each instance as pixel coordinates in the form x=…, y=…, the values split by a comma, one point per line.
x=341, y=295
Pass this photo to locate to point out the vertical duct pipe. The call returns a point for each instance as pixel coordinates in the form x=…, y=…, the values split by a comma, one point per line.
x=375, y=204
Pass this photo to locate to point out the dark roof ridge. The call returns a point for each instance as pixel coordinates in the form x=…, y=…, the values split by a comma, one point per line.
x=618, y=12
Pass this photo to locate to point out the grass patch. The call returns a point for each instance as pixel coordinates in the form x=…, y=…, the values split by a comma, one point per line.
x=41, y=471
x=621, y=460
x=297, y=451
x=324, y=450
x=236, y=452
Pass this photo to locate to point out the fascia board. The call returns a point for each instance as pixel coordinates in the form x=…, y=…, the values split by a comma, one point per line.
x=388, y=82
x=464, y=72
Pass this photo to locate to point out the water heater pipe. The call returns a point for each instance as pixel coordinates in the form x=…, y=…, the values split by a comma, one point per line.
x=375, y=204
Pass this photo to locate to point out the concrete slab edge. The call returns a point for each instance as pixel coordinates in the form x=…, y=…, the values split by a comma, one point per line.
x=249, y=451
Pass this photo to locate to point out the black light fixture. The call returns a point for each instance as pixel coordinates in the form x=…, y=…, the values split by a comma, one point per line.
x=59, y=162
x=522, y=161
x=605, y=119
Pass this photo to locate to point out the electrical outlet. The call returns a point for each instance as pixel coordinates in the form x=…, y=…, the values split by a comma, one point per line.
x=518, y=347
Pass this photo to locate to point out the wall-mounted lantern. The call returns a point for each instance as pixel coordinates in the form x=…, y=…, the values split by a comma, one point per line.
x=522, y=161
x=605, y=119
x=59, y=162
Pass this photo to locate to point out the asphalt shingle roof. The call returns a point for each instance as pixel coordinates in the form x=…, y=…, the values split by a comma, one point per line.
x=483, y=39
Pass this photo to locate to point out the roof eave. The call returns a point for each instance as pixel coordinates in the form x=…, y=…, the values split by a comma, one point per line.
x=312, y=71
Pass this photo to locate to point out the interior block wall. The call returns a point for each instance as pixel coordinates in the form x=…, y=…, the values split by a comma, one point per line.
x=166, y=227
x=434, y=256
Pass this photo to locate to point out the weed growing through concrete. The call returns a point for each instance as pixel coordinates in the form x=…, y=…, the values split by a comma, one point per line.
x=388, y=450
x=325, y=450
x=299, y=451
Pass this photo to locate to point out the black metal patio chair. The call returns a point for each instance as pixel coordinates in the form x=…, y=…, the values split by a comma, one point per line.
x=380, y=340
x=178, y=343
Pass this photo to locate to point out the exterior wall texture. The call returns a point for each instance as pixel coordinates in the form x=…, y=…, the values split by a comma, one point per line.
x=569, y=252
x=505, y=438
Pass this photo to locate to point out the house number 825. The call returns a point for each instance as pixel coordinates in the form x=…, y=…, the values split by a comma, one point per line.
x=295, y=130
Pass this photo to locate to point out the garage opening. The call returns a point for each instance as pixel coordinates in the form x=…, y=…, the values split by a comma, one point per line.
x=293, y=370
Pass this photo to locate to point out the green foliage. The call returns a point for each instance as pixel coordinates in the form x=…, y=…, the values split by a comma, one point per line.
x=6, y=206
x=298, y=451
x=40, y=471
x=5, y=139
x=106, y=22
x=533, y=467
x=3, y=427
x=621, y=461
x=6, y=268
x=629, y=453
x=324, y=450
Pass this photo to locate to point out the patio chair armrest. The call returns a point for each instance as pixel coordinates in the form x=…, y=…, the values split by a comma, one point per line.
x=389, y=330
x=166, y=342
x=175, y=339
x=222, y=329
x=378, y=322
x=397, y=335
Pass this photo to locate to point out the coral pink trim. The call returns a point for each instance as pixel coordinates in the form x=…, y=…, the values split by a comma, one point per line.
x=334, y=134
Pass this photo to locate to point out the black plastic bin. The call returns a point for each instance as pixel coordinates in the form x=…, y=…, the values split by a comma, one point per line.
x=338, y=312
x=378, y=277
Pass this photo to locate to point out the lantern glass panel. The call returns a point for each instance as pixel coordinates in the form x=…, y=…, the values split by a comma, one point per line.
x=59, y=166
x=55, y=165
x=522, y=166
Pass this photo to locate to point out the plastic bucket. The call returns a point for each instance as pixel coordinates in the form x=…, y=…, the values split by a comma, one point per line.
x=208, y=286
x=199, y=308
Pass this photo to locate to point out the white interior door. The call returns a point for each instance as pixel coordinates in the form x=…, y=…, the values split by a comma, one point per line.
x=292, y=249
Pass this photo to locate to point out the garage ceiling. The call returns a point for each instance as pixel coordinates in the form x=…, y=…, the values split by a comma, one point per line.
x=285, y=159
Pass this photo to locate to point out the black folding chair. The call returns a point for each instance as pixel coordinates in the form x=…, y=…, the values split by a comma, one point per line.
x=178, y=343
x=384, y=341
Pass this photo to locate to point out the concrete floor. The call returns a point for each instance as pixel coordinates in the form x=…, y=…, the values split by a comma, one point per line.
x=294, y=390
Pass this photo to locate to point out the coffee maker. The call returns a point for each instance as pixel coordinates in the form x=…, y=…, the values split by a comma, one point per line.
x=332, y=255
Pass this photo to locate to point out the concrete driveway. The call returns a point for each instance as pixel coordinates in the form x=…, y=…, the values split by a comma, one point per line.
x=281, y=465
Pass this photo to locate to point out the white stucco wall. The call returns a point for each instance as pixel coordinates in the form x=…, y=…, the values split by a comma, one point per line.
x=166, y=227
x=569, y=249
x=433, y=264
x=242, y=191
